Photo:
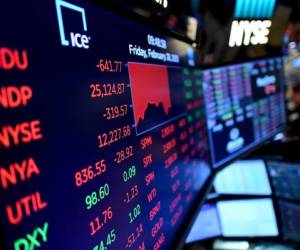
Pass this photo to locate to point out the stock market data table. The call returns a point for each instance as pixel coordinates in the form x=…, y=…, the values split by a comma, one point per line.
x=103, y=137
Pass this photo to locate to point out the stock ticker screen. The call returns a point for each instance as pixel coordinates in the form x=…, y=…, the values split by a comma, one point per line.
x=248, y=218
x=102, y=132
x=206, y=225
x=290, y=220
x=240, y=101
x=243, y=177
x=285, y=179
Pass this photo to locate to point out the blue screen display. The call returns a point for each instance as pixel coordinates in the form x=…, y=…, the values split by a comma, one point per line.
x=248, y=218
x=244, y=177
x=239, y=106
x=206, y=225
x=285, y=179
x=290, y=220
x=103, y=139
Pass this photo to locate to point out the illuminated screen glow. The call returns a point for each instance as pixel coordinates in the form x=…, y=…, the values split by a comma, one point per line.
x=290, y=220
x=285, y=179
x=98, y=149
x=248, y=218
x=206, y=225
x=244, y=177
x=239, y=106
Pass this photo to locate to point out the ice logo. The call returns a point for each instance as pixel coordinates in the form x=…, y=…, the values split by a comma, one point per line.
x=75, y=39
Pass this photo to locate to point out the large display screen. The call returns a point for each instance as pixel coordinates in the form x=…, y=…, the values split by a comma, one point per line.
x=245, y=177
x=206, y=225
x=285, y=179
x=248, y=218
x=240, y=101
x=290, y=220
x=102, y=132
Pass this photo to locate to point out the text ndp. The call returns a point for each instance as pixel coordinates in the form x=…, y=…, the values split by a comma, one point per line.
x=76, y=40
x=254, y=28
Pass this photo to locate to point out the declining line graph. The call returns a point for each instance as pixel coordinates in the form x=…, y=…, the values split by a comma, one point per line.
x=153, y=95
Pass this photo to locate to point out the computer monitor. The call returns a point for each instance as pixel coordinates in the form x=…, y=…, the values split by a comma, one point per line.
x=245, y=177
x=103, y=137
x=248, y=218
x=206, y=225
x=285, y=179
x=290, y=220
x=240, y=106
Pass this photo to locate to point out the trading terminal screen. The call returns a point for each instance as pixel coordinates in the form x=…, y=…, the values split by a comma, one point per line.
x=239, y=105
x=290, y=220
x=245, y=177
x=102, y=133
x=285, y=179
x=245, y=218
x=206, y=225
x=248, y=218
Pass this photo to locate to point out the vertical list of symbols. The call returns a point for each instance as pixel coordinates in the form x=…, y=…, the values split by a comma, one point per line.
x=153, y=211
x=211, y=106
x=267, y=119
x=248, y=110
x=198, y=141
x=237, y=90
x=281, y=95
x=277, y=99
x=17, y=173
x=193, y=104
x=169, y=149
x=221, y=83
x=240, y=83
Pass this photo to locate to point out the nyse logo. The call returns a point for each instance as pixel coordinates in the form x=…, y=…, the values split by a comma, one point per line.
x=164, y=3
x=249, y=32
x=255, y=30
x=77, y=40
x=254, y=9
